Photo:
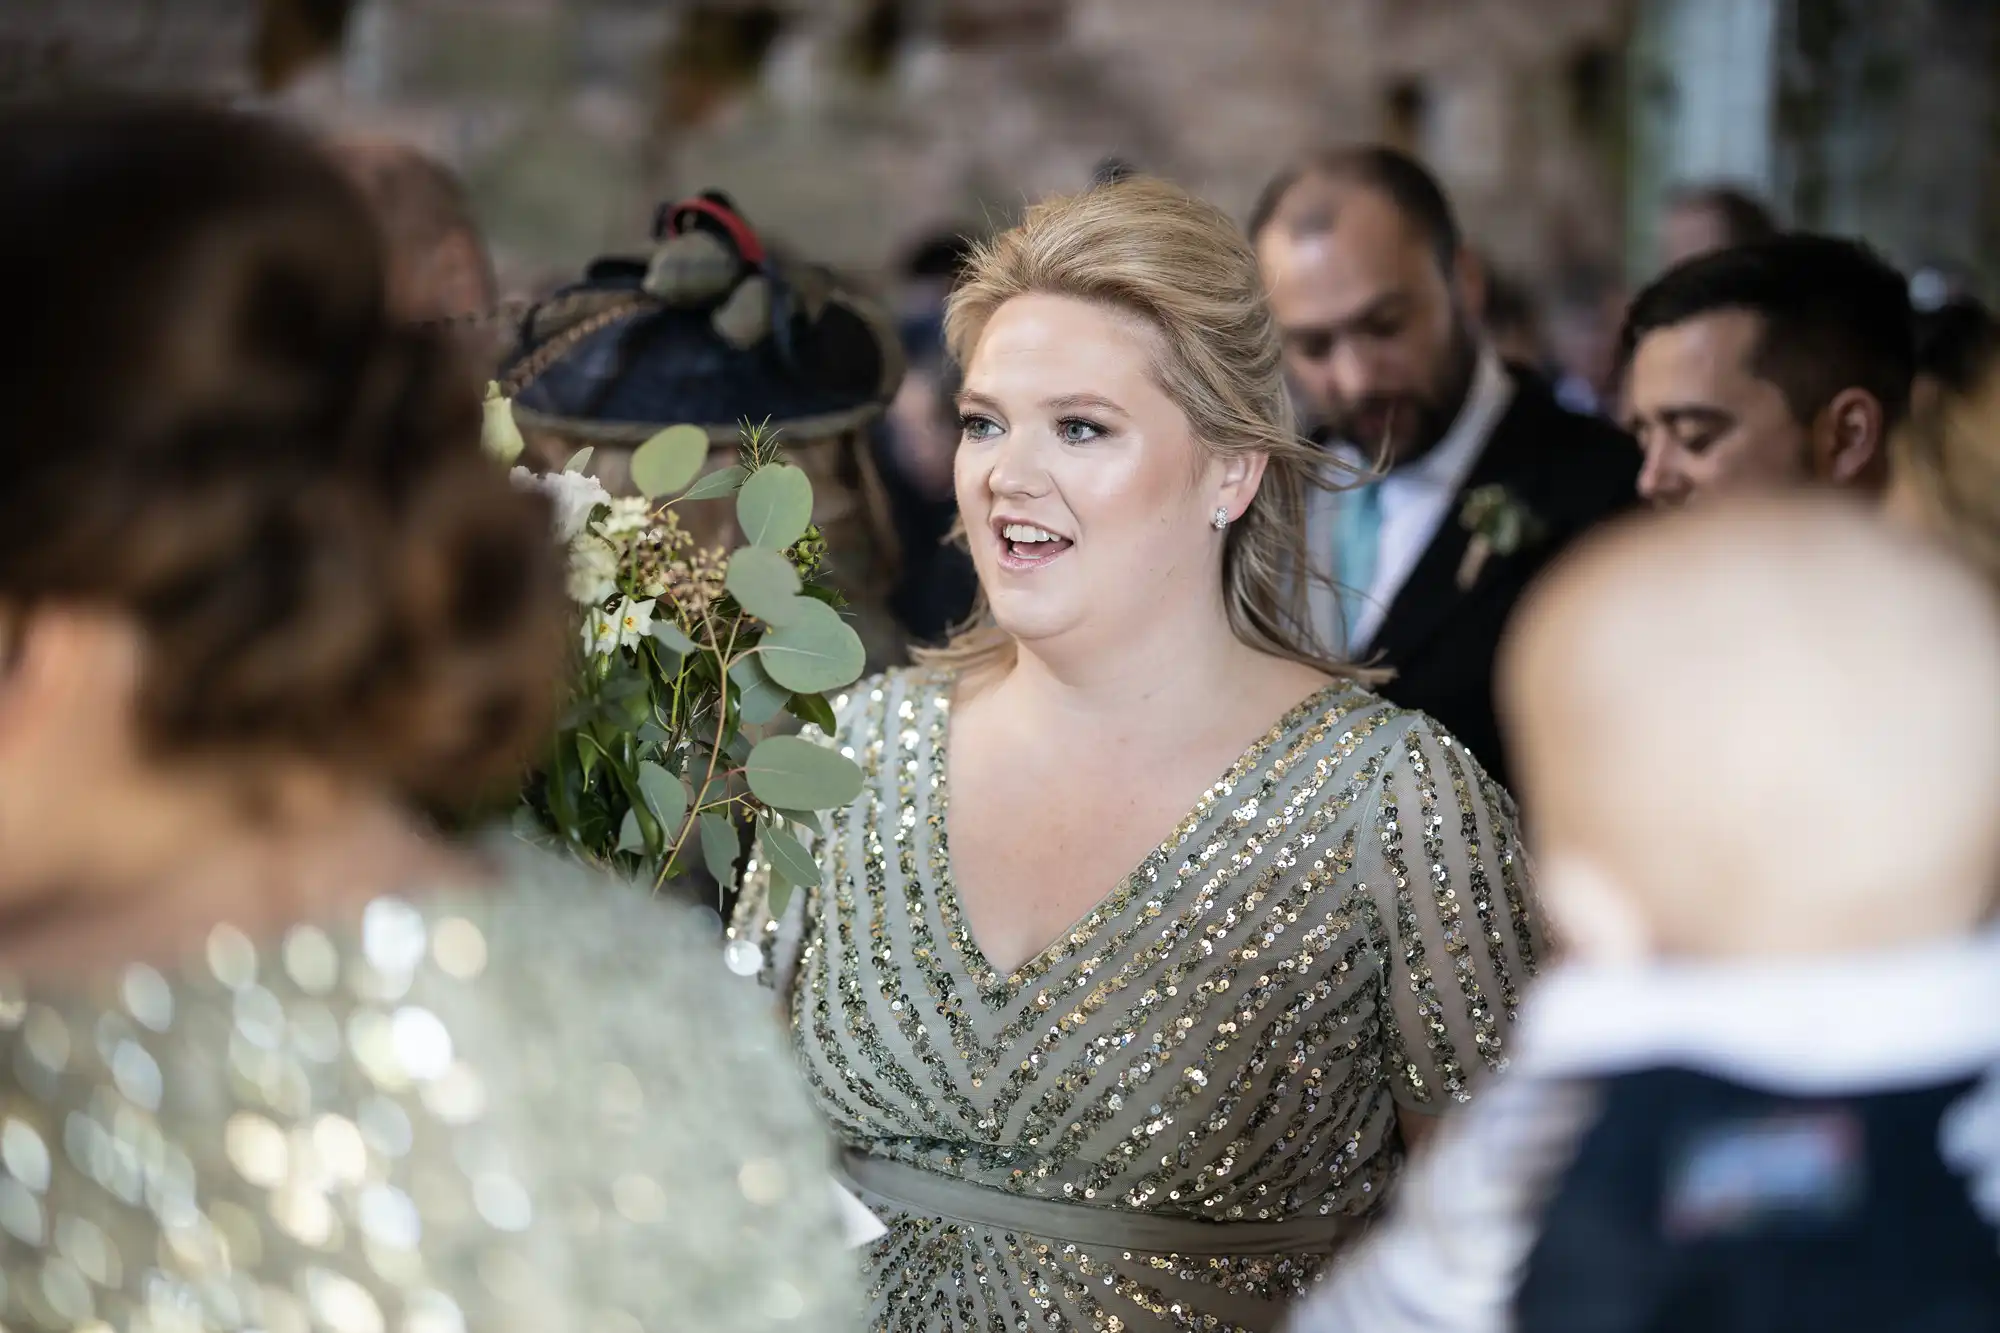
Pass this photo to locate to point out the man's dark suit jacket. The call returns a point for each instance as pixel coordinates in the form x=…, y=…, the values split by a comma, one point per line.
x=1569, y=471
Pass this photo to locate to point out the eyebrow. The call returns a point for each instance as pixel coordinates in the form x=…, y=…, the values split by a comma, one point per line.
x=1678, y=414
x=1069, y=402
x=1382, y=305
x=1696, y=414
x=1076, y=402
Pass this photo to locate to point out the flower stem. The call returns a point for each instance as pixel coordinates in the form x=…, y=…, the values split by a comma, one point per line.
x=725, y=659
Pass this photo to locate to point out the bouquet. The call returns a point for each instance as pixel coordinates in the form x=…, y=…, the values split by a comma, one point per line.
x=686, y=657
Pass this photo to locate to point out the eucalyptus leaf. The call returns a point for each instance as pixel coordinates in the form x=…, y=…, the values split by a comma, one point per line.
x=806, y=819
x=789, y=860
x=738, y=749
x=793, y=774
x=758, y=698
x=777, y=895
x=811, y=708
x=665, y=797
x=719, y=848
x=726, y=481
x=670, y=637
x=763, y=583
x=666, y=463
x=813, y=650
x=580, y=460
x=775, y=506
x=630, y=839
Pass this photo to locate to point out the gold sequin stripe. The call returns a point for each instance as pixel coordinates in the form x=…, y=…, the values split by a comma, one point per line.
x=1500, y=814
x=1437, y=1037
x=1481, y=889
x=1450, y=910
x=892, y=985
x=837, y=953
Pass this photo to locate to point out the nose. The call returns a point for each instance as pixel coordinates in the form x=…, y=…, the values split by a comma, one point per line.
x=1660, y=482
x=1018, y=467
x=1353, y=371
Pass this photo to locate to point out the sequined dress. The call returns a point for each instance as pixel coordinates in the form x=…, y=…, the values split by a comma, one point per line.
x=544, y=1106
x=1173, y=1116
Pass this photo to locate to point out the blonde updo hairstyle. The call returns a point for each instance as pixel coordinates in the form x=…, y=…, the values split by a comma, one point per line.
x=1150, y=249
x=1946, y=465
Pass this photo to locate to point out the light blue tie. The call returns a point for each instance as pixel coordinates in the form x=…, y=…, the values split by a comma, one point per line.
x=1357, y=541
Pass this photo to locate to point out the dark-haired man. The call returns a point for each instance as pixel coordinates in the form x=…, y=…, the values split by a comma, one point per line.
x=1484, y=477
x=1785, y=361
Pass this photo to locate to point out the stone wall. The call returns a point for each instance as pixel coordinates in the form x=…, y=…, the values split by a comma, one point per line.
x=850, y=127
x=180, y=45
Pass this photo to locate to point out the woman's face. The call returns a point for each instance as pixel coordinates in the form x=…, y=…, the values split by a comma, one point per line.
x=1087, y=500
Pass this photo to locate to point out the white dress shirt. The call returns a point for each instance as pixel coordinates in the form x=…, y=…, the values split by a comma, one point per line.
x=1416, y=500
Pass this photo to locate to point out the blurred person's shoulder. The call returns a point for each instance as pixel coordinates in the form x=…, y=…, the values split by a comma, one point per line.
x=544, y=1092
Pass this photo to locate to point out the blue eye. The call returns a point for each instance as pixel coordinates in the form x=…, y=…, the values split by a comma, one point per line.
x=1075, y=430
x=974, y=427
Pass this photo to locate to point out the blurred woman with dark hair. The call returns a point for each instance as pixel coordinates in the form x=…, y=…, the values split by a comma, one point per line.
x=274, y=1052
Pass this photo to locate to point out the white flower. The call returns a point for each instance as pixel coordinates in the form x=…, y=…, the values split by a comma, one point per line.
x=575, y=496
x=593, y=570
x=629, y=514
x=627, y=623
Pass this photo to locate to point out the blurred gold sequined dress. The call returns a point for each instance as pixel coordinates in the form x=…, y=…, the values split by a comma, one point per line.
x=544, y=1106
x=1174, y=1115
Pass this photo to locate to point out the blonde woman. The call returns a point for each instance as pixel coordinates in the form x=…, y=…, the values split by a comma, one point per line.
x=1154, y=936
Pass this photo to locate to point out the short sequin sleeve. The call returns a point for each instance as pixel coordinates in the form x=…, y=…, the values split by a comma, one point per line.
x=1453, y=911
x=544, y=1106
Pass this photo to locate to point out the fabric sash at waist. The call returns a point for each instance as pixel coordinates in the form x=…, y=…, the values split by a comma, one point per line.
x=916, y=1190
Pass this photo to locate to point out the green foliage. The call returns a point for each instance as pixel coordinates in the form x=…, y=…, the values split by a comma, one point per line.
x=690, y=668
x=670, y=461
x=775, y=506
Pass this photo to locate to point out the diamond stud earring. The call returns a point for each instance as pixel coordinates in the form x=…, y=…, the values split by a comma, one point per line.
x=1220, y=519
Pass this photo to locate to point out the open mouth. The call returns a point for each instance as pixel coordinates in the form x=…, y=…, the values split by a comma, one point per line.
x=1027, y=546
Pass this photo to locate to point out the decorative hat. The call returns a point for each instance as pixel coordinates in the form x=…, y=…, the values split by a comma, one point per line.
x=712, y=330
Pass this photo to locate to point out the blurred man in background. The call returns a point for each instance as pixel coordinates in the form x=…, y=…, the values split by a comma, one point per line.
x=1483, y=477
x=1700, y=219
x=1772, y=364
x=438, y=265
x=1584, y=311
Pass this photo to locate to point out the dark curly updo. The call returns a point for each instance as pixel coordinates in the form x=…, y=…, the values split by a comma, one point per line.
x=213, y=424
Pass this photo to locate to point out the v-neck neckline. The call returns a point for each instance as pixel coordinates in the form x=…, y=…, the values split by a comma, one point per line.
x=998, y=988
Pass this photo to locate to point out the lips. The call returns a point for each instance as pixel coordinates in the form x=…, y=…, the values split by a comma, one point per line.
x=1028, y=546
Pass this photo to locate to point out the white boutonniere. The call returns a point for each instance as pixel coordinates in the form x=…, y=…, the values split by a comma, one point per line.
x=1500, y=524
